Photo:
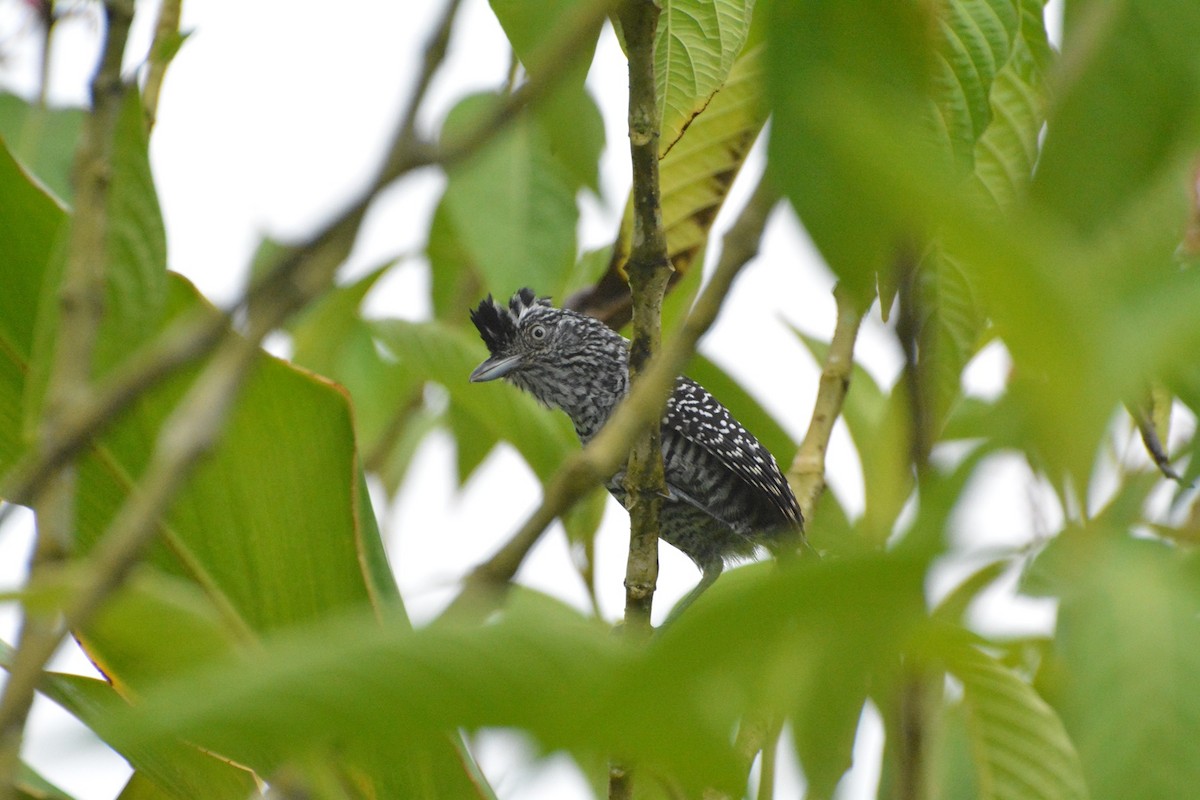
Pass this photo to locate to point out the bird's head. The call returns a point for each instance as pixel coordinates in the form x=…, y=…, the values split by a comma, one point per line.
x=555, y=354
x=517, y=336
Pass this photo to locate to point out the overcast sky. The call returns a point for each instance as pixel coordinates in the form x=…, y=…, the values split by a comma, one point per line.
x=272, y=115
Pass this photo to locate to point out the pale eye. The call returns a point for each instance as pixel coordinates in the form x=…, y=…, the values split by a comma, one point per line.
x=538, y=332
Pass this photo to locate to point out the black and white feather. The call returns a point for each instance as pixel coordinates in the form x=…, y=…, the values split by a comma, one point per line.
x=726, y=494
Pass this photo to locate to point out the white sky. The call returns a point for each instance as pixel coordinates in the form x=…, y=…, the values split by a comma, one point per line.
x=272, y=115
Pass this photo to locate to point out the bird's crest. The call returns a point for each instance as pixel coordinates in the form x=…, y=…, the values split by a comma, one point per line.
x=497, y=325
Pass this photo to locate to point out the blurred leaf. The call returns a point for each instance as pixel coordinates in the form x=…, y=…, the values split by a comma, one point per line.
x=1021, y=750
x=695, y=48
x=826, y=62
x=188, y=631
x=42, y=139
x=139, y=787
x=811, y=638
x=512, y=204
x=454, y=277
x=527, y=26
x=954, y=605
x=1128, y=641
x=332, y=339
x=542, y=669
x=473, y=440
x=180, y=770
x=32, y=786
x=568, y=114
x=583, y=519
x=393, y=465
x=270, y=525
x=1133, y=74
x=575, y=128
x=435, y=352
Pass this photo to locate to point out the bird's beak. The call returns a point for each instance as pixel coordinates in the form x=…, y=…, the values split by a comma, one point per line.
x=495, y=367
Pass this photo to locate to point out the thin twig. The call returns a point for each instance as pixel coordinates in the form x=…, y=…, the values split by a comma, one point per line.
x=603, y=456
x=162, y=51
x=917, y=688
x=299, y=275
x=81, y=307
x=807, y=471
x=435, y=55
x=89, y=415
x=563, y=46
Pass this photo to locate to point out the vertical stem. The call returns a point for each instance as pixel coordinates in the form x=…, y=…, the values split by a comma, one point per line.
x=81, y=307
x=917, y=690
x=649, y=270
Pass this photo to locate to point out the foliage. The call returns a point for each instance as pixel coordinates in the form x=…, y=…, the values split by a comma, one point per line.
x=945, y=160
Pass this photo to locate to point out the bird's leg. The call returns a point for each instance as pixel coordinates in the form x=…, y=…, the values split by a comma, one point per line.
x=708, y=576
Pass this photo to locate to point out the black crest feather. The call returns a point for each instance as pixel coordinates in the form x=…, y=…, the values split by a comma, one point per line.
x=496, y=324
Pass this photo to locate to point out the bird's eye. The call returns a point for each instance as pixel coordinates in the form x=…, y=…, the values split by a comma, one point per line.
x=538, y=332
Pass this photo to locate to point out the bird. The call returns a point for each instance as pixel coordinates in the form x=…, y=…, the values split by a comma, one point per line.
x=725, y=495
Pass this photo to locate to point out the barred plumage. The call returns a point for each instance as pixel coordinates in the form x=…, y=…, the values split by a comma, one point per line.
x=726, y=495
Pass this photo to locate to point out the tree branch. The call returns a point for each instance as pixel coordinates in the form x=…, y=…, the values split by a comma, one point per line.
x=81, y=307
x=649, y=270
x=807, y=471
x=162, y=51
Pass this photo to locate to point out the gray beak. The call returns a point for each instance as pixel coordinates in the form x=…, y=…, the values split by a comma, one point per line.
x=495, y=367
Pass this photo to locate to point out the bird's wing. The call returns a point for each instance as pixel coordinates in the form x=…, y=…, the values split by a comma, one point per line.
x=700, y=418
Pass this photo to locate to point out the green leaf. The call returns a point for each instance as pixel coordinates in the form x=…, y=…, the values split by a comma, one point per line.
x=811, y=639
x=135, y=262
x=975, y=39
x=541, y=669
x=954, y=331
x=1020, y=749
x=696, y=176
x=568, y=115
x=332, y=339
x=43, y=139
x=33, y=222
x=139, y=787
x=695, y=47
x=831, y=66
x=1134, y=76
x=513, y=205
x=32, y=786
x=271, y=524
x=1007, y=150
x=177, y=769
x=1127, y=642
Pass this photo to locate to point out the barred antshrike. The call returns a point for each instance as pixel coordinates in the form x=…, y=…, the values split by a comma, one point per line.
x=725, y=493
